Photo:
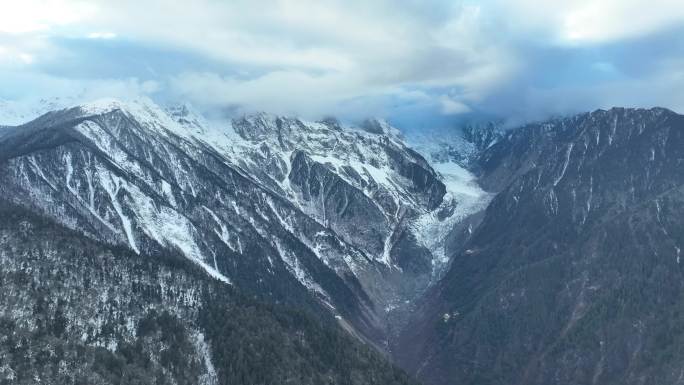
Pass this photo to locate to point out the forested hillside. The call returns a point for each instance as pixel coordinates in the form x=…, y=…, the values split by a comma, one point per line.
x=74, y=311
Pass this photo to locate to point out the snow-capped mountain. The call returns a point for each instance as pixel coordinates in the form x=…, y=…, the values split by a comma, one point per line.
x=566, y=271
x=345, y=218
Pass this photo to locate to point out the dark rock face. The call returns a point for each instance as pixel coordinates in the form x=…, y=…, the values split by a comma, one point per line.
x=573, y=274
x=483, y=135
x=373, y=126
x=425, y=183
x=343, y=207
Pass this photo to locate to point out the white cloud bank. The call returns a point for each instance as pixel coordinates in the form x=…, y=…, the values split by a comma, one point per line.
x=315, y=56
x=594, y=21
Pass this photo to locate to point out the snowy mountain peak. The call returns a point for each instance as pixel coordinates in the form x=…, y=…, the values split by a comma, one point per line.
x=102, y=106
x=144, y=111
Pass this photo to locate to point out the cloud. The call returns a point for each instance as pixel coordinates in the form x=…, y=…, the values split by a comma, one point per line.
x=282, y=92
x=300, y=56
x=452, y=107
x=394, y=58
x=530, y=102
x=11, y=56
x=31, y=86
x=32, y=15
x=590, y=21
x=311, y=57
x=101, y=35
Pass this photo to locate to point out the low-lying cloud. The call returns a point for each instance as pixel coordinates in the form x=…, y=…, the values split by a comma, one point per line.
x=406, y=60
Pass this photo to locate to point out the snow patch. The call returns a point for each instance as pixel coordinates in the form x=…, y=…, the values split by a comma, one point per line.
x=565, y=164
x=202, y=347
x=112, y=185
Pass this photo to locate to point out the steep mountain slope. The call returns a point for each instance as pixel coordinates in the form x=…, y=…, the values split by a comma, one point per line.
x=310, y=214
x=77, y=311
x=574, y=274
x=125, y=175
x=571, y=274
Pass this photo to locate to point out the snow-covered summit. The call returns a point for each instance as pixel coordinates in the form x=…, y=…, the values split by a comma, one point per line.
x=149, y=115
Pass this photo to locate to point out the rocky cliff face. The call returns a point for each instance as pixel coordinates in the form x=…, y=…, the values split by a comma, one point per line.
x=573, y=275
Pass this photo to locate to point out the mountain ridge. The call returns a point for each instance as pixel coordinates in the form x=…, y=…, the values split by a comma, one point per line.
x=146, y=178
x=441, y=262
x=580, y=242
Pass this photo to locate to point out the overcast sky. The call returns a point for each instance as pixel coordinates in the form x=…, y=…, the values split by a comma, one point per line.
x=416, y=62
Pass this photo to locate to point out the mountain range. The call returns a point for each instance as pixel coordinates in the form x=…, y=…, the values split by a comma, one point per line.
x=544, y=254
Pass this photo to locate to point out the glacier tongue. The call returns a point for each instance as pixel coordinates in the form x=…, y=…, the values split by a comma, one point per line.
x=464, y=197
